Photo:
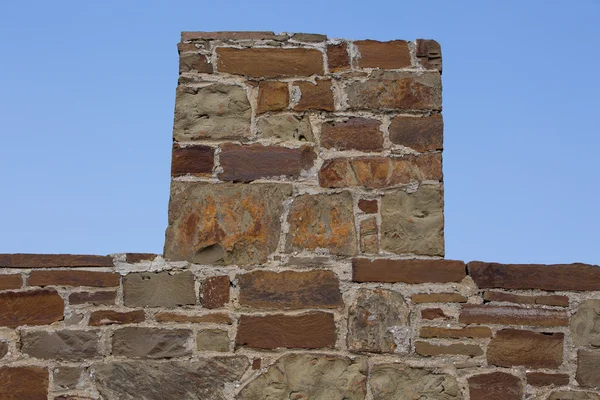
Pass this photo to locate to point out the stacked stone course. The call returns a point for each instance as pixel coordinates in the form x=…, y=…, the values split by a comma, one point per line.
x=303, y=256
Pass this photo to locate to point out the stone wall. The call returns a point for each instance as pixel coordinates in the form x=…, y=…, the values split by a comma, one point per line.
x=304, y=254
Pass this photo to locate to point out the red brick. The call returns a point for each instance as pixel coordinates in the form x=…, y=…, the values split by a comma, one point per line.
x=552, y=300
x=433, y=313
x=111, y=317
x=545, y=379
x=407, y=271
x=352, y=134
x=512, y=315
x=73, y=278
x=215, y=291
x=495, y=386
x=23, y=383
x=53, y=260
x=14, y=281
x=429, y=349
x=388, y=55
x=272, y=96
x=105, y=298
x=513, y=347
x=368, y=206
x=419, y=133
x=338, y=58
x=429, y=54
x=194, y=160
x=315, y=97
x=270, y=63
x=223, y=35
x=35, y=307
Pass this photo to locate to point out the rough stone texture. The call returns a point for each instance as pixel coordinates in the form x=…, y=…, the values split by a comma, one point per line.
x=216, y=111
x=401, y=382
x=73, y=278
x=438, y=298
x=495, y=386
x=456, y=333
x=315, y=97
x=110, y=317
x=429, y=54
x=573, y=395
x=225, y=35
x=290, y=290
x=104, y=298
x=338, y=58
x=420, y=134
x=552, y=300
x=215, y=291
x=203, y=379
x=285, y=127
x=433, y=313
x=380, y=172
x=407, y=271
x=214, y=318
x=20, y=260
x=158, y=289
x=3, y=349
x=270, y=63
x=368, y=206
x=151, y=342
x=378, y=322
x=389, y=55
x=544, y=379
x=194, y=160
x=66, y=377
x=68, y=345
x=588, y=367
x=307, y=331
x=354, y=133
x=461, y=349
x=11, y=281
x=194, y=62
x=322, y=221
x=396, y=91
x=272, y=96
x=585, y=324
x=512, y=315
x=34, y=307
x=413, y=222
x=512, y=347
x=369, y=240
x=23, y=383
x=226, y=223
x=212, y=340
x=134, y=258
x=250, y=162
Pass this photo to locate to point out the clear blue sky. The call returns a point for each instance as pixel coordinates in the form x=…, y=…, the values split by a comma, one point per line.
x=87, y=92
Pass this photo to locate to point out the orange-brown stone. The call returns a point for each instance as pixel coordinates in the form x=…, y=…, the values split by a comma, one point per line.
x=270, y=63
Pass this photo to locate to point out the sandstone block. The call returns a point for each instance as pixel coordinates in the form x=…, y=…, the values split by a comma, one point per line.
x=134, y=258
x=66, y=377
x=388, y=55
x=272, y=96
x=317, y=96
x=20, y=383
x=512, y=315
x=194, y=62
x=194, y=160
x=368, y=206
x=215, y=291
x=495, y=386
x=68, y=345
x=212, y=340
x=158, y=289
x=338, y=58
x=20, y=260
x=270, y=63
x=355, y=133
x=456, y=333
x=309, y=37
x=369, y=240
x=179, y=318
x=512, y=347
x=105, y=298
x=399, y=381
x=151, y=342
x=73, y=278
x=433, y=313
x=438, y=298
x=430, y=349
x=419, y=133
x=227, y=36
x=573, y=395
x=285, y=127
x=551, y=300
x=13, y=281
x=34, y=307
x=407, y=271
x=545, y=379
x=585, y=324
x=588, y=367
x=429, y=54
x=110, y=317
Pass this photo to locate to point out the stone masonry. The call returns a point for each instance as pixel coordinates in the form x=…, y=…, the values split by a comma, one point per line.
x=303, y=256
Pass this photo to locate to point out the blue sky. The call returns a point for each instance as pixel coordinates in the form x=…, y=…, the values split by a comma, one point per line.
x=86, y=108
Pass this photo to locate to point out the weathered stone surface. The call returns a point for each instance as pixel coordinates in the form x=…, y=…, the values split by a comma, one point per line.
x=544, y=379
x=396, y=91
x=461, y=349
x=378, y=322
x=309, y=37
x=203, y=379
x=573, y=395
x=512, y=347
x=401, y=382
x=355, y=133
x=73, y=278
x=214, y=318
x=407, y=271
x=338, y=58
x=512, y=315
x=307, y=331
x=212, y=340
x=380, y=172
x=285, y=127
x=456, y=333
x=225, y=35
x=249, y=162
x=270, y=63
x=20, y=383
x=324, y=221
x=66, y=377
x=495, y=386
x=369, y=240
x=433, y=313
x=310, y=376
x=588, y=368
x=215, y=291
x=110, y=317
x=535, y=276
x=315, y=97
x=14, y=281
x=193, y=160
x=389, y=55
x=585, y=324
x=3, y=349
x=290, y=290
x=551, y=300
x=413, y=222
x=429, y=54
x=20, y=260
x=216, y=111
x=272, y=96
x=104, y=298
x=420, y=134
x=368, y=206
x=61, y=345
x=134, y=258
x=225, y=223
x=438, y=298
x=194, y=62
x=34, y=307
x=158, y=289
x=151, y=342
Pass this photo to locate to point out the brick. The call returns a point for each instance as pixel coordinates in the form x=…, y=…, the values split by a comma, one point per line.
x=512, y=315
x=495, y=386
x=159, y=289
x=400, y=381
x=388, y=55
x=285, y=128
x=20, y=383
x=396, y=91
x=134, y=258
x=214, y=318
x=587, y=368
x=429, y=349
x=418, y=133
x=193, y=160
x=290, y=290
x=105, y=298
x=456, y=333
x=151, y=342
x=545, y=379
x=53, y=260
x=34, y=307
x=575, y=277
x=255, y=161
x=369, y=241
x=66, y=377
x=429, y=54
x=315, y=97
x=212, y=340
x=309, y=37
x=225, y=223
x=338, y=58
x=407, y=271
x=13, y=281
x=110, y=317
x=380, y=172
x=355, y=133
x=270, y=63
x=552, y=300
x=368, y=206
x=584, y=322
x=322, y=221
x=194, y=62
x=215, y=291
x=306, y=331
x=67, y=345
x=272, y=96
x=73, y=278
x=433, y=313
x=438, y=298
x=513, y=347
x=222, y=35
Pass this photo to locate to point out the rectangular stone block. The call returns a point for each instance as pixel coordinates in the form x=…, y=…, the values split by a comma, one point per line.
x=407, y=271
x=438, y=298
x=20, y=260
x=24, y=383
x=181, y=318
x=136, y=342
x=68, y=345
x=513, y=347
x=418, y=133
x=461, y=349
x=159, y=289
x=193, y=160
x=223, y=35
x=354, y=133
x=104, y=298
x=474, y=332
x=111, y=317
x=34, y=307
x=551, y=300
x=387, y=55
x=545, y=379
x=74, y=278
x=215, y=291
x=512, y=315
x=338, y=58
x=272, y=96
x=13, y=281
x=317, y=96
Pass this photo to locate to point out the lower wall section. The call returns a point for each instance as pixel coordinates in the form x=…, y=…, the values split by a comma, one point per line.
x=317, y=327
